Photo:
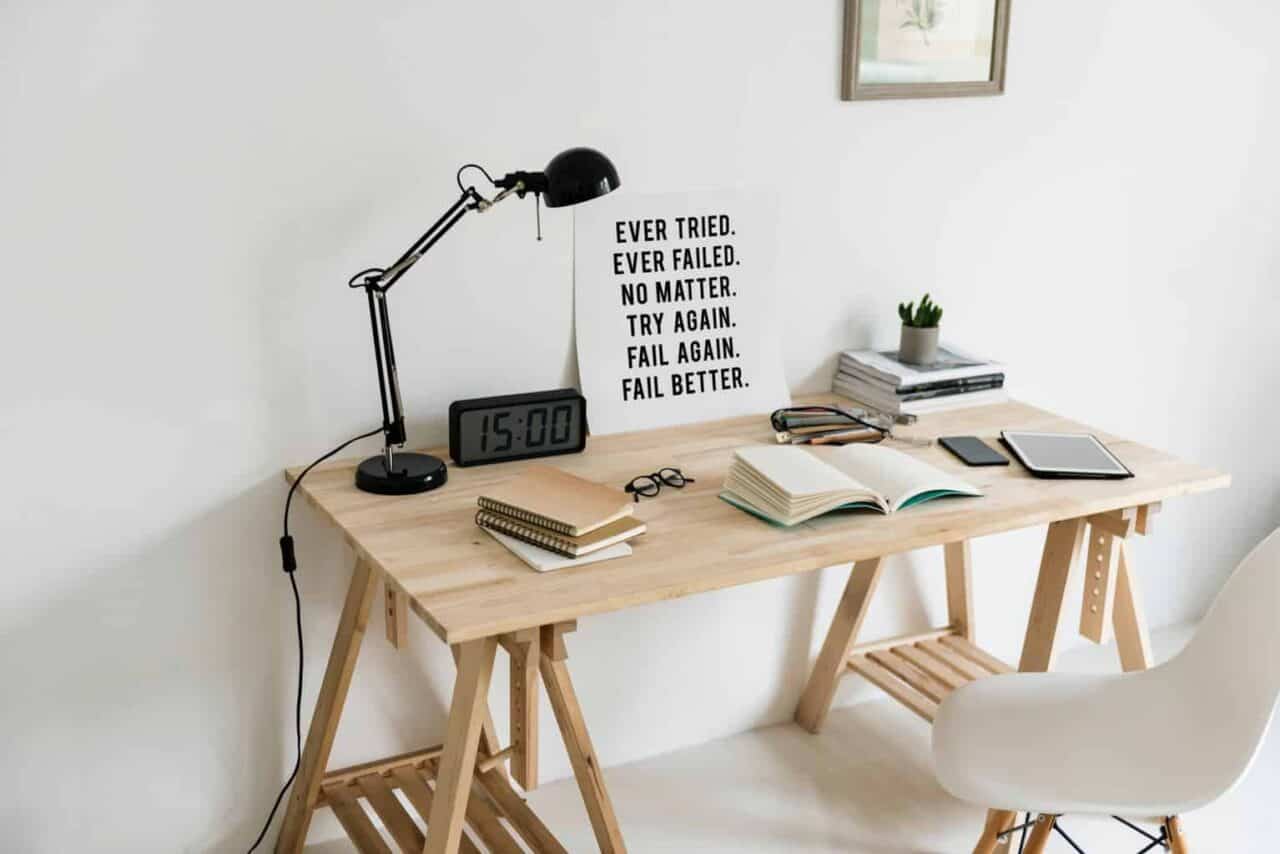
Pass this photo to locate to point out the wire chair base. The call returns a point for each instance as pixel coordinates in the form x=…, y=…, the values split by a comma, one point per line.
x=1153, y=842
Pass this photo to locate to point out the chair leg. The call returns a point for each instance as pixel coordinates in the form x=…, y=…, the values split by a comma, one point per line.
x=1040, y=833
x=1177, y=836
x=997, y=822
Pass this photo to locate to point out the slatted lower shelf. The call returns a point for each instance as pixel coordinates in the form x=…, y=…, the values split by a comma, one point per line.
x=920, y=672
x=499, y=821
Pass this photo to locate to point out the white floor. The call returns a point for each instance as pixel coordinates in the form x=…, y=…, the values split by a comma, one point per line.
x=863, y=786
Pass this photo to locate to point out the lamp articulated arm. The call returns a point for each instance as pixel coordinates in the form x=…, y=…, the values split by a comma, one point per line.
x=572, y=176
x=377, y=281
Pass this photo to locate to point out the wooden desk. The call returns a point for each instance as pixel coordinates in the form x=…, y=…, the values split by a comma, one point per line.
x=476, y=597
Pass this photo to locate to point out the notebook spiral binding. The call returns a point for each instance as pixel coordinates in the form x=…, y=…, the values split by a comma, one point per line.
x=524, y=516
x=514, y=528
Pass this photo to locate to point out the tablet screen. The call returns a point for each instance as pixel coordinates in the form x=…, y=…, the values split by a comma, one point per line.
x=1065, y=453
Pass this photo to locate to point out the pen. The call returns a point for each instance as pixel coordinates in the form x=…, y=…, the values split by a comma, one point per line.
x=839, y=437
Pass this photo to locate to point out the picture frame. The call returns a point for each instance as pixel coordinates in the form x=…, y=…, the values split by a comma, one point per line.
x=924, y=48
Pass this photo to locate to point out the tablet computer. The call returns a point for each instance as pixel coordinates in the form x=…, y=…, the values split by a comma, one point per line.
x=1064, y=455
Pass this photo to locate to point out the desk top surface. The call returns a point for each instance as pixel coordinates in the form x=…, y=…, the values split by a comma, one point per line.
x=466, y=585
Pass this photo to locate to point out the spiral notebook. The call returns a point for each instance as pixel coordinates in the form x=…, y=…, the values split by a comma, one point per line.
x=557, y=501
x=614, y=532
x=545, y=561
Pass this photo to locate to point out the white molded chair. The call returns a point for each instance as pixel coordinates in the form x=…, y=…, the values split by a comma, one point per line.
x=1156, y=743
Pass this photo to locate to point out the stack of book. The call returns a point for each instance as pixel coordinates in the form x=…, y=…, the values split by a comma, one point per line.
x=551, y=519
x=955, y=380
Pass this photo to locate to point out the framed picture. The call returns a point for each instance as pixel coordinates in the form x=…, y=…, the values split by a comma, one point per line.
x=924, y=48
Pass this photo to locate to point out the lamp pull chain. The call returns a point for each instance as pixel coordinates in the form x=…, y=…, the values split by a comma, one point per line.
x=537, y=212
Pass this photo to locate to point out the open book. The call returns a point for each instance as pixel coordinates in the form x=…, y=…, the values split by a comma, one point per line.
x=786, y=485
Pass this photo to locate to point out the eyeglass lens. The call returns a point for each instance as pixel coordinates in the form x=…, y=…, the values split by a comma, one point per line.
x=672, y=477
x=645, y=485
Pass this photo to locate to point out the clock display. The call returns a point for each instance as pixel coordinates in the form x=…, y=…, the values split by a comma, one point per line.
x=518, y=426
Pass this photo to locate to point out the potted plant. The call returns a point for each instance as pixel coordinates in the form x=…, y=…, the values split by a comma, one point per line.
x=919, y=342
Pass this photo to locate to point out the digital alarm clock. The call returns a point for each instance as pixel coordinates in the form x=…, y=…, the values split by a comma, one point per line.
x=517, y=426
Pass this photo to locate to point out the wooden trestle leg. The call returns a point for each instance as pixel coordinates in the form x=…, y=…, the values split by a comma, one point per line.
x=324, y=722
x=1111, y=599
x=468, y=714
x=1062, y=547
x=460, y=790
x=523, y=648
x=815, y=702
x=471, y=787
x=577, y=741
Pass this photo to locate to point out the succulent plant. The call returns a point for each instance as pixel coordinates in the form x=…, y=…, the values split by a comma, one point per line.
x=926, y=316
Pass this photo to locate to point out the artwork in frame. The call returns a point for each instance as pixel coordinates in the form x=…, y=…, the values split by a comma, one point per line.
x=924, y=48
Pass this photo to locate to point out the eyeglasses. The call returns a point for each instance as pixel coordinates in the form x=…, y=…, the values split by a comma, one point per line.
x=650, y=485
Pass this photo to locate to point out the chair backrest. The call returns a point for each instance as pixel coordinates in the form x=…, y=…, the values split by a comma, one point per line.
x=1228, y=676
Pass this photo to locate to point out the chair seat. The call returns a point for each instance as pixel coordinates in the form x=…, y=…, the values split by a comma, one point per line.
x=1071, y=743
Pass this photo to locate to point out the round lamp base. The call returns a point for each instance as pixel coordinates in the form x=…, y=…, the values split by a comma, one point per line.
x=410, y=474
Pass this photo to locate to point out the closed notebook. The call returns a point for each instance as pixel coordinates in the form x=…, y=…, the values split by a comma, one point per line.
x=557, y=501
x=616, y=531
x=787, y=485
x=545, y=561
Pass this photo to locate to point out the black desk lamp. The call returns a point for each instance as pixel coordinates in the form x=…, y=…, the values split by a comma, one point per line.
x=573, y=176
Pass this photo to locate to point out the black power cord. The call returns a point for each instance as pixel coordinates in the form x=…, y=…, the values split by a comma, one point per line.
x=289, y=563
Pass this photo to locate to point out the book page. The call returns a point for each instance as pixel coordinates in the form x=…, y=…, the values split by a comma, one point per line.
x=787, y=485
x=900, y=478
x=798, y=473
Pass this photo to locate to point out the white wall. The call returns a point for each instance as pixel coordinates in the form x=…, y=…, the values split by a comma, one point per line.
x=186, y=187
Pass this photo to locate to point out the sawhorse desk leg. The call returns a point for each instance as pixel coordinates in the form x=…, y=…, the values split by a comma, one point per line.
x=1111, y=599
x=468, y=716
x=815, y=702
x=1062, y=547
x=459, y=789
x=577, y=741
x=918, y=670
x=469, y=720
x=324, y=723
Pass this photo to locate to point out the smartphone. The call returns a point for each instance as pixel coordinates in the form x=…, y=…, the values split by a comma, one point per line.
x=973, y=451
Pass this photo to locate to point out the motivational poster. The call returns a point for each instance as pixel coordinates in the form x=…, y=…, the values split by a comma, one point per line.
x=674, y=308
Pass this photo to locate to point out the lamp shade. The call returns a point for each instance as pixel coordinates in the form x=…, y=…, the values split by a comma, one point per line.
x=579, y=175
